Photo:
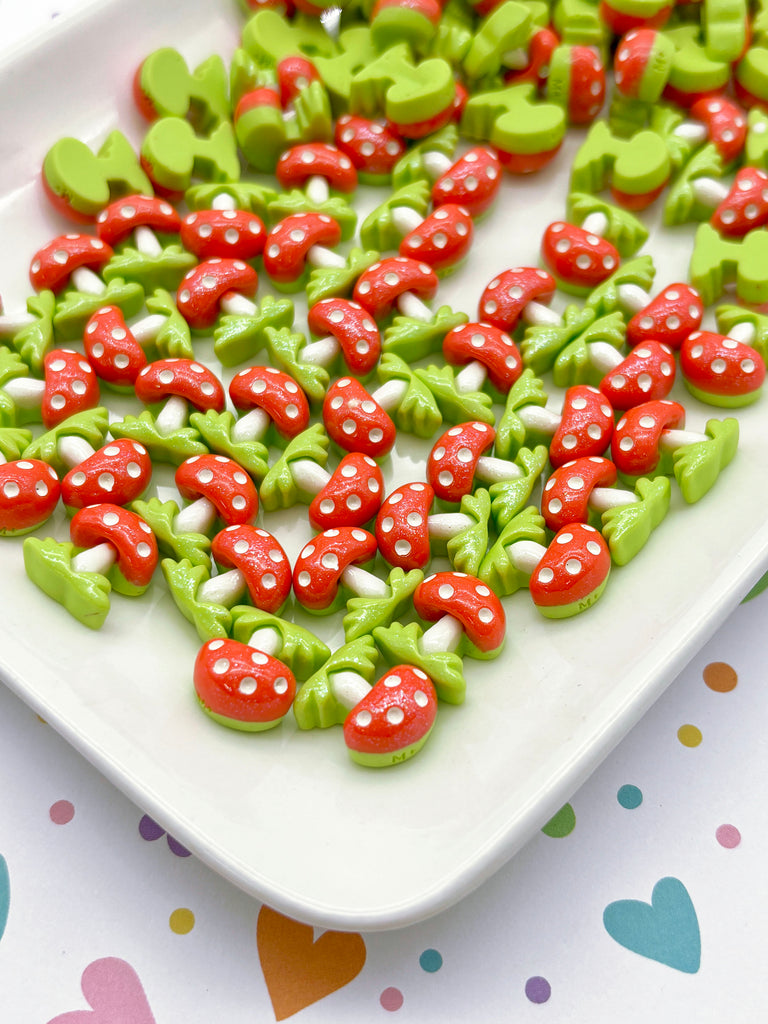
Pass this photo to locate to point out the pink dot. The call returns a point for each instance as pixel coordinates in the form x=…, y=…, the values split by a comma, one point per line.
x=62, y=812
x=728, y=836
x=391, y=999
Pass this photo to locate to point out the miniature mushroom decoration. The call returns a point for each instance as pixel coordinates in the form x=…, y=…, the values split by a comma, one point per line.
x=745, y=206
x=521, y=293
x=119, y=472
x=318, y=166
x=578, y=259
x=216, y=487
x=69, y=386
x=203, y=289
x=330, y=562
x=636, y=443
x=473, y=181
x=182, y=384
x=453, y=460
x=138, y=217
x=721, y=370
x=264, y=397
x=669, y=317
x=567, y=496
x=225, y=233
x=373, y=147
x=468, y=617
x=572, y=573
x=347, y=328
x=585, y=427
x=442, y=239
x=402, y=530
x=72, y=257
x=355, y=421
x=113, y=350
x=296, y=244
x=117, y=543
x=726, y=124
x=485, y=352
x=647, y=372
x=352, y=495
x=29, y=493
x=252, y=560
x=396, y=281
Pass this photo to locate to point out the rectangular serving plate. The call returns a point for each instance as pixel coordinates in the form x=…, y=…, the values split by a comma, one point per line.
x=284, y=815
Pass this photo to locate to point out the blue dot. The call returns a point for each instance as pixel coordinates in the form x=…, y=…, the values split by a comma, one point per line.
x=629, y=797
x=430, y=960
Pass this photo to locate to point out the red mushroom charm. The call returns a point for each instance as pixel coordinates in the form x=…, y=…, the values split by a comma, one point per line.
x=29, y=493
x=472, y=182
x=355, y=421
x=202, y=289
x=394, y=282
x=648, y=372
x=668, y=318
x=484, y=351
x=442, y=239
x=578, y=259
x=119, y=472
x=346, y=327
x=521, y=293
x=720, y=370
x=117, y=543
x=351, y=497
x=374, y=148
x=241, y=687
x=323, y=564
x=468, y=616
x=573, y=572
x=227, y=234
x=252, y=559
x=217, y=487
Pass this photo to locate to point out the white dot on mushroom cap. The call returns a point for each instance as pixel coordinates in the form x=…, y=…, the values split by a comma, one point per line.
x=79, y=387
x=485, y=615
x=718, y=366
x=215, y=645
x=464, y=455
x=110, y=519
x=397, y=497
x=402, y=548
x=276, y=555
x=241, y=547
x=647, y=422
x=349, y=471
x=373, y=486
x=445, y=478
x=327, y=505
x=573, y=566
x=58, y=402
x=354, y=502
x=569, y=441
x=391, y=279
x=395, y=715
x=445, y=591
x=386, y=524
x=304, y=579
x=220, y=666
x=336, y=402
x=330, y=561
x=106, y=481
x=240, y=478
x=247, y=686
x=11, y=489
x=747, y=365
x=363, y=718
x=269, y=581
x=78, y=479
x=562, y=245
x=593, y=547
x=693, y=312
x=626, y=444
x=205, y=231
x=349, y=426
x=259, y=658
x=239, y=503
x=546, y=575
x=205, y=476
x=97, y=350
x=143, y=550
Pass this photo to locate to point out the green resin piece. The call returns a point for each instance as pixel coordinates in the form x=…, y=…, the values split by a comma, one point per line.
x=172, y=90
x=410, y=167
x=573, y=364
x=697, y=466
x=36, y=339
x=286, y=204
x=172, y=448
x=752, y=72
x=90, y=424
x=511, y=433
x=88, y=181
x=11, y=367
x=174, y=339
x=665, y=121
x=402, y=645
x=85, y=595
x=514, y=120
x=364, y=614
x=337, y=72
x=725, y=28
x=542, y=343
x=565, y=611
x=215, y=428
x=176, y=154
x=455, y=33
x=184, y=579
x=160, y=516
x=395, y=757
x=268, y=37
x=728, y=317
x=238, y=338
x=379, y=230
x=467, y=549
x=333, y=282
x=756, y=146
x=657, y=70
x=497, y=569
x=299, y=648
x=415, y=339
x=627, y=116
x=605, y=298
x=636, y=166
x=244, y=75
x=717, y=261
x=404, y=91
x=455, y=406
x=627, y=528
x=759, y=26
x=693, y=71
x=263, y=132
x=278, y=488
x=508, y=497
x=284, y=347
x=724, y=401
x=506, y=28
x=235, y=723
x=74, y=309
x=579, y=22
x=315, y=705
x=13, y=441
x=164, y=270
x=624, y=230
x=247, y=195
x=390, y=25
x=417, y=413
x=681, y=205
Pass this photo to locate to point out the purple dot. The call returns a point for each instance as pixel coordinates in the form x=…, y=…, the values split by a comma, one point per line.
x=538, y=990
x=149, y=829
x=175, y=847
x=62, y=812
x=391, y=999
x=728, y=836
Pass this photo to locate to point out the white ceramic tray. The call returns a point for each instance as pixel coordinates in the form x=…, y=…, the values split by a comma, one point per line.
x=285, y=815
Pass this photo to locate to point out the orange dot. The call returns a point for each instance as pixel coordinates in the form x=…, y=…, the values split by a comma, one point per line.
x=689, y=735
x=720, y=677
x=182, y=921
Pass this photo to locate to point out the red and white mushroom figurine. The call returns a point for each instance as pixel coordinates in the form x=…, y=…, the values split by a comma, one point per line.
x=484, y=351
x=29, y=493
x=138, y=217
x=351, y=496
x=473, y=181
x=355, y=421
x=319, y=167
x=647, y=372
x=397, y=282
x=119, y=472
x=647, y=435
x=468, y=617
x=669, y=317
x=373, y=147
x=267, y=397
x=298, y=243
x=346, y=329
x=241, y=687
x=116, y=538
x=572, y=572
x=71, y=258
x=330, y=564
x=579, y=489
x=721, y=370
x=205, y=289
x=182, y=385
x=69, y=386
x=252, y=560
x=442, y=239
x=515, y=295
x=227, y=233
x=578, y=258
x=217, y=488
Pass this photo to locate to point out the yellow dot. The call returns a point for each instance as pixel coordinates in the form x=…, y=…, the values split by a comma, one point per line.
x=182, y=921
x=689, y=735
x=720, y=677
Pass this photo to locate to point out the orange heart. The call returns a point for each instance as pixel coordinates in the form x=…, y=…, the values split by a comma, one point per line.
x=299, y=970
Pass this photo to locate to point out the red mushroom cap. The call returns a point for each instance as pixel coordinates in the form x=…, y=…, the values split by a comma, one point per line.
x=578, y=259
x=117, y=473
x=571, y=575
x=294, y=74
x=442, y=240
x=726, y=124
x=507, y=295
x=635, y=442
x=128, y=534
x=316, y=159
x=541, y=46
x=669, y=317
x=586, y=83
x=586, y=425
x=262, y=561
x=233, y=234
x=720, y=370
x=320, y=564
x=565, y=498
x=287, y=244
x=467, y=599
x=374, y=148
x=53, y=265
x=242, y=687
x=379, y=287
x=118, y=220
x=488, y=345
x=402, y=526
x=746, y=205
x=453, y=459
x=70, y=386
x=647, y=372
x=223, y=482
x=112, y=350
x=202, y=288
x=277, y=393
x=355, y=421
x=352, y=326
x=472, y=182
x=351, y=497
x=632, y=58
x=29, y=492
x=185, y=378
x=393, y=720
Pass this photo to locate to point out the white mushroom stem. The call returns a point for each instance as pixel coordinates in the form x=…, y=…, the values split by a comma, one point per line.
x=252, y=426
x=173, y=416
x=692, y=131
x=671, y=440
x=100, y=558
x=471, y=377
x=10, y=325
x=603, y=498
x=237, y=304
x=363, y=583
x=226, y=588
x=436, y=164
x=321, y=352
x=73, y=450
x=309, y=476
x=537, y=314
x=148, y=328
x=146, y=241
x=197, y=517
x=491, y=470
x=317, y=190
x=445, y=525
x=603, y=356
x=223, y=201
x=595, y=223
x=266, y=639
x=709, y=191
x=405, y=219
x=443, y=636
x=632, y=297
x=320, y=256
x=743, y=332
x=348, y=687
x=87, y=282
x=26, y=392
x=410, y=305
x=390, y=394
x=539, y=418
x=525, y=555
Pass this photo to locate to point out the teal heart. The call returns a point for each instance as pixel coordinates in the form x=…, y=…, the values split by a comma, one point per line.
x=666, y=929
x=5, y=894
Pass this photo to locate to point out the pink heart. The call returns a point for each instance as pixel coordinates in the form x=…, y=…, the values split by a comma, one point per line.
x=113, y=989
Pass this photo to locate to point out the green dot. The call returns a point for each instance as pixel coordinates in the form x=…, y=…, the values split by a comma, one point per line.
x=629, y=797
x=562, y=824
x=430, y=960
